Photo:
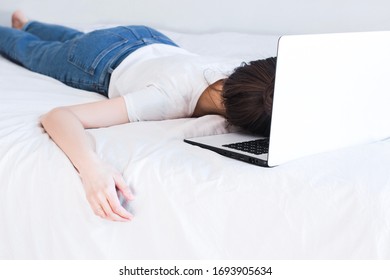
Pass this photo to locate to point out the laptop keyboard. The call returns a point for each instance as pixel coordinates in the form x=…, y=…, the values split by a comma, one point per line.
x=256, y=147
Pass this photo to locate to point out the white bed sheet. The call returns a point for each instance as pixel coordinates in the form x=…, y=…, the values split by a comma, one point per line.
x=190, y=203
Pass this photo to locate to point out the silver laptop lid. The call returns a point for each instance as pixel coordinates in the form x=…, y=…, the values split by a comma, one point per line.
x=331, y=91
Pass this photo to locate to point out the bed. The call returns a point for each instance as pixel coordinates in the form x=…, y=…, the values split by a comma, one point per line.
x=190, y=203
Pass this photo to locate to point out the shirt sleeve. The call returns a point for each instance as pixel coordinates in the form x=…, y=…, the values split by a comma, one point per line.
x=153, y=104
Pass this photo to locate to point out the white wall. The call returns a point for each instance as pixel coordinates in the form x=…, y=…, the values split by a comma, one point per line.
x=254, y=16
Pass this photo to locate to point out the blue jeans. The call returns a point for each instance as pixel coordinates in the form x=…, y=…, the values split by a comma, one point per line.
x=81, y=60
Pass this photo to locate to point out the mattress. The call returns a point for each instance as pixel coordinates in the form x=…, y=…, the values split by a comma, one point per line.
x=190, y=203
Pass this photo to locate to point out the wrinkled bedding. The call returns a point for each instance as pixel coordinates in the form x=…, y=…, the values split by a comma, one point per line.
x=190, y=203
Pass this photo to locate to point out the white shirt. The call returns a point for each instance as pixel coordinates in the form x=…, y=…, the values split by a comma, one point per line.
x=165, y=82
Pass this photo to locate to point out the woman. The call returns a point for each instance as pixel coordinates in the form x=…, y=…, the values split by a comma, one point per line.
x=146, y=77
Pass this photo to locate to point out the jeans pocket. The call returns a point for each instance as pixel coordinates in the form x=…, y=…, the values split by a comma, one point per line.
x=88, y=50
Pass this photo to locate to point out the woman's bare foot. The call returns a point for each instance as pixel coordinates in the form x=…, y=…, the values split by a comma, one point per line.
x=18, y=20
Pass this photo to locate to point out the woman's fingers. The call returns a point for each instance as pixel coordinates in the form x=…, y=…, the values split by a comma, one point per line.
x=99, y=211
x=123, y=187
x=101, y=184
x=116, y=207
x=107, y=206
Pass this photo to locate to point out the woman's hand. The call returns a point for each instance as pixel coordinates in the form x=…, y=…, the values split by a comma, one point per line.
x=66, y=126
x=100, y=182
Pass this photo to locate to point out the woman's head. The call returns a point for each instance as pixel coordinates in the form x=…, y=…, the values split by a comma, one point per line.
x=248, y=94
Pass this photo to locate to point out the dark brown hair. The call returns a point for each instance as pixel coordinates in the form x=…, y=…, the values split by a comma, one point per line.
x=248, y=94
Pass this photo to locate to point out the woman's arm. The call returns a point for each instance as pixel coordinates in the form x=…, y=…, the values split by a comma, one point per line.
x=66, y=126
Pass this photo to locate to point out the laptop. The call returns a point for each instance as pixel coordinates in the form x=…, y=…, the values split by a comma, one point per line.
x=331, y=91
